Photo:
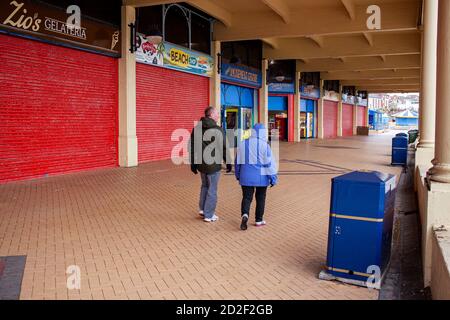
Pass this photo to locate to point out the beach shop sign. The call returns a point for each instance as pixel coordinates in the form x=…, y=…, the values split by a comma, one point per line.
x=45, y=22
x=175, y=57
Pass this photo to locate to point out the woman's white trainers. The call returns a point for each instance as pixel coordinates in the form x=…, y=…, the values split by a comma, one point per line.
x=214, y=218
x=260, y=223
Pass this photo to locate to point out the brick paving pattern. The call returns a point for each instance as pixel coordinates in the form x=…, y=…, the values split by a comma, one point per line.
x=135, y=233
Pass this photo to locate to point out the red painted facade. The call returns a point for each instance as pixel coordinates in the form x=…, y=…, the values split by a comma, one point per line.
x=330, y=118
x=58, y=109
x=291, y=117
x=361, y=116
x=347, y=120
x=166, y=100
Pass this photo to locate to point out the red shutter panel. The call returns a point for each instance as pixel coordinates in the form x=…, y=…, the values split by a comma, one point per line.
x=347, y=120
x=58, y=109
x=361, y=116
x=166, y=100
x=330, y=116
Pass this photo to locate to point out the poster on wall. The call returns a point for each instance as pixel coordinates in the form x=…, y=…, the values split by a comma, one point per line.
x=348, y=99
x=175, y=57
x=241, y=74
x=282, y=88
x=310, y=92
x=331, y=95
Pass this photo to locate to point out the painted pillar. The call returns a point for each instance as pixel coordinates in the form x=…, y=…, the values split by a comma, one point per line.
x=214, y=81
x=320, y=112
x=355, y=118
x=291, y=118
x=339, y=117
x=427, y=111
x=264, y=96
x=128, y=149
x=440, y=172
x=297, y=98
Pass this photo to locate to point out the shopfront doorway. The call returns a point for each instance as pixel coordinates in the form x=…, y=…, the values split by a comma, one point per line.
x=307, y=118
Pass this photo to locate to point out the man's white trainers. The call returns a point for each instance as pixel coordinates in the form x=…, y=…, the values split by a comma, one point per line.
x=214, y=218
x=201, y=213
x=260, y=223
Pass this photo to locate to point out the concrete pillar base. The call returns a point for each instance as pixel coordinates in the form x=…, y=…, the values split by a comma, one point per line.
x=434, y=206
x=440, y=172
x=129, y=155
x=424, y=156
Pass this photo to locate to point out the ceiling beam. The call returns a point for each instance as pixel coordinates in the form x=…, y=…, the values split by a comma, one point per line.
x=410, y=61
x=350, y=8
x=346, y=46
x=369, y=75
x=213, y=10
x=280, y=8
x=272, y=42
x=394, y=87
x=381, y=82
x=307, y=21
x=206, y=6
x=369, y=38
x=146, y=3
x=317, y=40
x=393, y=91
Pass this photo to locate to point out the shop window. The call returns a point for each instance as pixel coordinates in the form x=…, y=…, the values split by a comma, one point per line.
x=349, y=90
x=246, y=53
x=201, y=34
x=310, y=79
x=281, y=71
x=177, y=26
x=331, y=85
x=149, y=19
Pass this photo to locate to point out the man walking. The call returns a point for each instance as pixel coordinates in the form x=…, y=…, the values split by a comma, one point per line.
x=207, y=150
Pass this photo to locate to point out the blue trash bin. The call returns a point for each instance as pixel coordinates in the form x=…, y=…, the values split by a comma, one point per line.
x=360, y=227
x=400, y=150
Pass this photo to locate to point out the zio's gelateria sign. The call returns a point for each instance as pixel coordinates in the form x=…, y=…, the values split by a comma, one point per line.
x=67, y=26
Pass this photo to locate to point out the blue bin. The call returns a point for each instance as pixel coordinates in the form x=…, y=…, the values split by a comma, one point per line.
x=400, y=150
x=360, y=227
x=401, y=135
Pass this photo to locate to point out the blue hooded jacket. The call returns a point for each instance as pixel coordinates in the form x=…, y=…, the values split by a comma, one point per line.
x=254, y=166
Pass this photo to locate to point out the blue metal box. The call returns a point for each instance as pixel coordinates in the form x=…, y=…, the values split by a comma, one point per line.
x=399, y=150
x=360, y=229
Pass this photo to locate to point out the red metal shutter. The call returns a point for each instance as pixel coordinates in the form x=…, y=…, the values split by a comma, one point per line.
x=58, y=109
x=330, y=116
x=361, y=116
x=166, y=100
x=347, y=120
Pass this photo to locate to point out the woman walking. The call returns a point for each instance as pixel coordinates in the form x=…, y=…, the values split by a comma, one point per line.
x=255, y=169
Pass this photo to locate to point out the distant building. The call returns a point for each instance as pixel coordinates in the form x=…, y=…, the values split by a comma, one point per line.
x=406, y=118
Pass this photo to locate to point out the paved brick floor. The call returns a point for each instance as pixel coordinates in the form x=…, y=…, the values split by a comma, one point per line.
x=135, y=233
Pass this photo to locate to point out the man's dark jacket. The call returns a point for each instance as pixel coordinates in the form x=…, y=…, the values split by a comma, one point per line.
x=207, y=124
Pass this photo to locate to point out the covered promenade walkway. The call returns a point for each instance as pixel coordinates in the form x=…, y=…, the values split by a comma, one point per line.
x=135, y=232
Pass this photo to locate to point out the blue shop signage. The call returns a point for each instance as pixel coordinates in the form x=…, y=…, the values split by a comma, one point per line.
x=241, y=75
x=310, y=92
x=282, y=88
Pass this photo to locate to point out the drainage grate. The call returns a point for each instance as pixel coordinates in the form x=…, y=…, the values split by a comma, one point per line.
x=11, y=274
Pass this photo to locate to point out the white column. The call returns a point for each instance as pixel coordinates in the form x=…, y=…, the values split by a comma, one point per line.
x=214, y=81
x=128, y=152
x=441, y=163
x=264, y=96
x=297, y=97
x=427, y=112
x=320, y=132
